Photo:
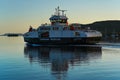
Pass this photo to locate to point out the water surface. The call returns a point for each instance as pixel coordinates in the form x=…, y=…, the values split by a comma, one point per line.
x=85, y=62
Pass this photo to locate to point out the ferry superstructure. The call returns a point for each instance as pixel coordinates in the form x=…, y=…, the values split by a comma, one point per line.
x=60, y=32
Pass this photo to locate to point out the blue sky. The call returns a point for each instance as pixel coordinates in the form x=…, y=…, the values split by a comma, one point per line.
x=18, y=15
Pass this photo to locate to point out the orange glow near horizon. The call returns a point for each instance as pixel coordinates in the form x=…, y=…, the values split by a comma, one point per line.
x=18, y=15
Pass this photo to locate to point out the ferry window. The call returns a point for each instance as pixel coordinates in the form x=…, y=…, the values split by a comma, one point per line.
x=55, y=28
x=75, y=28
x=79, y=28
x=53, y=20
x=65, y=28
x=44, y=28
x=41, y=28
x=63, y=21
x=77, y=34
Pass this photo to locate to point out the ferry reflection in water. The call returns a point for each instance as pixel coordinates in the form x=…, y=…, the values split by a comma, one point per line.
x=62, y=57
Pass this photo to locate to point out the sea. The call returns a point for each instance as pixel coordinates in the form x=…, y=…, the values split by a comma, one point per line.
x=19, y=61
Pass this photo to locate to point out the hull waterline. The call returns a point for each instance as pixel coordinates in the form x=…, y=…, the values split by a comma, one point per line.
x=63, y=41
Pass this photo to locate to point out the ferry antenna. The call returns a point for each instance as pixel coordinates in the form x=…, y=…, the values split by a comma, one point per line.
x=63, y=11
x=58, y=11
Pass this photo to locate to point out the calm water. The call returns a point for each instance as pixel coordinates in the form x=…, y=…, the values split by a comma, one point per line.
x=21, y=62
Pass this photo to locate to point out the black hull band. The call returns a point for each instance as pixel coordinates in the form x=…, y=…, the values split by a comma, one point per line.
x=91, y=40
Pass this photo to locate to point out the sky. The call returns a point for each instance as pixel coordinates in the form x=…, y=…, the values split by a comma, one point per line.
x=18, y=15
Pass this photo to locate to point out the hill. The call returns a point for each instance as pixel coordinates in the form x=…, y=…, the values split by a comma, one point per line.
x=108, y=28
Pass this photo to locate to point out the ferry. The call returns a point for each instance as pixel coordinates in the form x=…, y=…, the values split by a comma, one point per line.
x=59, y=32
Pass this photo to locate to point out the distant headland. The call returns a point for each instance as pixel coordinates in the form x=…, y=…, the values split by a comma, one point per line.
x=110, y=28
x=12, y=34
